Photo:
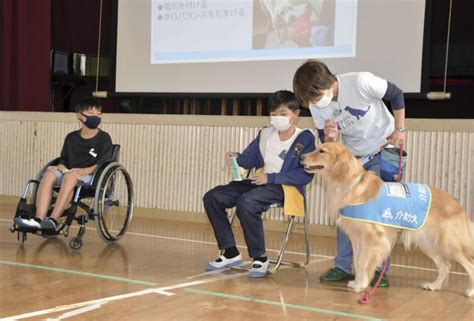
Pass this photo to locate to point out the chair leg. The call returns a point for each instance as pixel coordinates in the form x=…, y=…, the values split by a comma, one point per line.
x=279, y=259
x=306, y=241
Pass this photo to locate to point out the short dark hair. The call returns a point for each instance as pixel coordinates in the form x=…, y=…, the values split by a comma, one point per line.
x=310, y=79
x=282, y=97
x=88, y=103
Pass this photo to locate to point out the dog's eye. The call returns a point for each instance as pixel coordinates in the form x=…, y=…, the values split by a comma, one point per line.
x=322, y=151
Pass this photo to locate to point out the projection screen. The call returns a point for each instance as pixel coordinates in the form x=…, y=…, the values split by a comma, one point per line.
x=245, y=46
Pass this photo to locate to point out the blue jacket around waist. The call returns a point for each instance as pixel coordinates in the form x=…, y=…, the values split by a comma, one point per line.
x=292, y=172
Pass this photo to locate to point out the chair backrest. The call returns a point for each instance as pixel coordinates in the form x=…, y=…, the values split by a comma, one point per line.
x=116, y=152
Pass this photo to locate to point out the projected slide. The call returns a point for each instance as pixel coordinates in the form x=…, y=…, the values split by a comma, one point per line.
x=244, y=30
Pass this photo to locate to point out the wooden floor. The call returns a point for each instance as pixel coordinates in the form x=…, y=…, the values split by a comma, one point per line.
x=156, y=272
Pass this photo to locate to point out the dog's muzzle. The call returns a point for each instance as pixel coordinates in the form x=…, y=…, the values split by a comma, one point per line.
x=313, y=167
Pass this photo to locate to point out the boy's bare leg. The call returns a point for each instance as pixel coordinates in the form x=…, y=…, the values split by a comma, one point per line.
x=44, y=194
x=65, y=195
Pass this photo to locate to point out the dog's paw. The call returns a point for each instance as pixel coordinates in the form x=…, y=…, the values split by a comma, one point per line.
x=469, y=293
x=356, y=286
x=431, y=286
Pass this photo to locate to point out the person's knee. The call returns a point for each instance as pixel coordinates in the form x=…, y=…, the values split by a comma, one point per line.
x=69, y=181
x=49, y=178
x=248, y=202
x=213, y=195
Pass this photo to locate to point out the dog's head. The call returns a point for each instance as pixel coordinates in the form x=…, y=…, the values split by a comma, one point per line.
x=332, y=161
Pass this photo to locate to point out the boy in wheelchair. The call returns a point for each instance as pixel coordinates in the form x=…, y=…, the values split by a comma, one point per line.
x=277, y=149
x=83, y=151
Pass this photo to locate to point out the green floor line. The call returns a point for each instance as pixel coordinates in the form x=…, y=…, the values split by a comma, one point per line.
x=81, y=273
x=288, y=306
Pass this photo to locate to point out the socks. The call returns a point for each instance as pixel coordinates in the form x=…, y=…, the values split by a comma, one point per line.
x=37, y=219
x=231, y=252
x=52, y=219
x=262, y=259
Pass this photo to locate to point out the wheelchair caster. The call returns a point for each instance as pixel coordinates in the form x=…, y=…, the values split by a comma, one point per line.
x=76, y=243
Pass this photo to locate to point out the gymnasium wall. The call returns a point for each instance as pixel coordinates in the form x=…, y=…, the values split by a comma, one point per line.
x=175, y=159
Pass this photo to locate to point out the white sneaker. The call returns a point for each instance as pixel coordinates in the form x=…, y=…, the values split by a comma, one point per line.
x=259, y=269
x=223, y=262
x=30, y=223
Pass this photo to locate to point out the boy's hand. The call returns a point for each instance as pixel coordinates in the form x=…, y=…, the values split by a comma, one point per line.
x=52, y=168
x=260, y=179
x=228, y=155
x=79, y=172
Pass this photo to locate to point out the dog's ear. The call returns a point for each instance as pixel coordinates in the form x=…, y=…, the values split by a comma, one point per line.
x=344, y=167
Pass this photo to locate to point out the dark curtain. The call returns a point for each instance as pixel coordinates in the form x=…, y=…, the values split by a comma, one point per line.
x=25, y=37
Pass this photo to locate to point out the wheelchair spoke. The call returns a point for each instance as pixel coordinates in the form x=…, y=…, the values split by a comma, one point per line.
x=115, y=204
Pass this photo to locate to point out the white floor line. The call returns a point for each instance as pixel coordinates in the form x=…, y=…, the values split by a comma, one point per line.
x=102, y=301
x=75, y=312
x=268, y=250
x=425, y=269
x=214, y=272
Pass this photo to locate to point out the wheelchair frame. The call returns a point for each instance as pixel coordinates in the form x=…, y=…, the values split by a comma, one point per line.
x=98, y=209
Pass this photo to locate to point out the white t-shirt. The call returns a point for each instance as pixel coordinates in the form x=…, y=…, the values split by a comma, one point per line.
x=276, y=150
x=363, y=119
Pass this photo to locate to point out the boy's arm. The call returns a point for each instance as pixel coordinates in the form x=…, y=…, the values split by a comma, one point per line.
x=251, y=157
x=107, y=147
x=297, y=176
x=62, y=158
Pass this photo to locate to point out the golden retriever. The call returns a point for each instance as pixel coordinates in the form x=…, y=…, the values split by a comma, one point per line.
x=447, y=234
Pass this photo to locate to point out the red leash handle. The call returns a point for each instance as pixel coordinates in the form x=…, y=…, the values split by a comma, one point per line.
x=365, y=297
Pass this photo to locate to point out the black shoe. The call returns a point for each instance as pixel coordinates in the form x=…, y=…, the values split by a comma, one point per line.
x=48, y=224
x=336, y=275
x=383, y=283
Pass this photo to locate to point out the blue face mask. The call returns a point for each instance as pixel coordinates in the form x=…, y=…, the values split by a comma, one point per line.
x=91, y=122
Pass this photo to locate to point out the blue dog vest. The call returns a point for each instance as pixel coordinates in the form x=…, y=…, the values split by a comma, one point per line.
x=398, y=205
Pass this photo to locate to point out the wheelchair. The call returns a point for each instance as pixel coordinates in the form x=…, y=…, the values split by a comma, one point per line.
x=108, y=201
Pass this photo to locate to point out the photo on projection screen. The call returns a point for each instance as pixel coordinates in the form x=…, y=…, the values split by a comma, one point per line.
x=248, y=30
x=255, y=46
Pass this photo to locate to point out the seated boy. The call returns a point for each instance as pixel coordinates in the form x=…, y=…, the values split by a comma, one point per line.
x=277, y=149
x=83, y=151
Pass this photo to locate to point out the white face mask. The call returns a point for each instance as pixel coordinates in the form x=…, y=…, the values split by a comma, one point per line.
x=281, y=123
x=325, y=100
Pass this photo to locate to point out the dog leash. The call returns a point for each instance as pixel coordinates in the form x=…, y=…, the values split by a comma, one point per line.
x=365, y=297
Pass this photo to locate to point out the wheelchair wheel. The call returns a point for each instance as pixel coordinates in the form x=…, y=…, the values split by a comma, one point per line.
x=75, y=243
x=114, y=203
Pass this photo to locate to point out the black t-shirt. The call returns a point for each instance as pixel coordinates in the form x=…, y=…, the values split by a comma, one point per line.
x=79, y=152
